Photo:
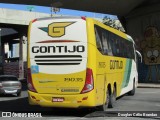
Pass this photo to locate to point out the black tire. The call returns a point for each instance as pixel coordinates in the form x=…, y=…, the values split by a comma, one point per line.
x=132, y=92
x=105, y=105
x=112, y=99
x=18, y=94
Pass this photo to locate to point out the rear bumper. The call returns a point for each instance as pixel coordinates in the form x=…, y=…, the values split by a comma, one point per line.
x=70, y=101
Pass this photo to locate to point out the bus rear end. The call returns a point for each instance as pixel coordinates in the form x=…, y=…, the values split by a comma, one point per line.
x=57, y=63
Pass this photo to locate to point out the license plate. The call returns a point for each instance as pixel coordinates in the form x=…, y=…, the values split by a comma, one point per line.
x=57, y=99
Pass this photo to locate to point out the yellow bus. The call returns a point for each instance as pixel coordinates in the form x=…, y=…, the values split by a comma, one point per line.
x=79, y=62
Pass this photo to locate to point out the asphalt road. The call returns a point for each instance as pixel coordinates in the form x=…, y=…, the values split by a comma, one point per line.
x=145, y=101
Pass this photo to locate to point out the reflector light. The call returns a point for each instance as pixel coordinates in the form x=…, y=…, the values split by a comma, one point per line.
x=79, y=101
x=33, y=97
x=38, y=100
x=85, y=98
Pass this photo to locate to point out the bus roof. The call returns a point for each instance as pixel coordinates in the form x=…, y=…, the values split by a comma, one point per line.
x=118, y=32
x=59, y=17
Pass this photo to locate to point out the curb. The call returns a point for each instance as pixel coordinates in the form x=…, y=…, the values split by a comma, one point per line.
x=148, y=86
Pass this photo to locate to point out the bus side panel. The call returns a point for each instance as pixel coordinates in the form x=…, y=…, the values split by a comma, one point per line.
x=101, y=80
x=112, y=69
x=115, y=67
x=100, y=89
x=129, y=76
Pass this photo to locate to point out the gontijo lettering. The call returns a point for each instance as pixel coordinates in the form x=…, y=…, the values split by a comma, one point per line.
x=116, y=64
x=59, y=49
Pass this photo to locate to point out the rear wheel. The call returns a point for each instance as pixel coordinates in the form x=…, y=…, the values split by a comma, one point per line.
x=105, y=105
x=112, y=99
x=132, y=92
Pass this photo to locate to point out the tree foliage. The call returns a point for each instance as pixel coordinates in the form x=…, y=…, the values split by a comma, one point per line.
x=114, y=23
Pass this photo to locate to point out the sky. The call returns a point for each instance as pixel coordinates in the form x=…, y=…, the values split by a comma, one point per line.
x=48, y=10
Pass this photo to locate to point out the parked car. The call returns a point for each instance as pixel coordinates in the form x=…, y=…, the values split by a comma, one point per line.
x=10, y=84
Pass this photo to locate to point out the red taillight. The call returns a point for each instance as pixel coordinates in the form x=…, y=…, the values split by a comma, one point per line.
x=89, y=85
x=29, y=81
x=34, y=20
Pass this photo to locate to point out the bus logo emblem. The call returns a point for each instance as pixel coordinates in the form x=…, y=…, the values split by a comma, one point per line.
x=56, y=29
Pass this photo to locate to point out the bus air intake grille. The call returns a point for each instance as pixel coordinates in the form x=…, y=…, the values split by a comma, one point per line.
x=58, y=60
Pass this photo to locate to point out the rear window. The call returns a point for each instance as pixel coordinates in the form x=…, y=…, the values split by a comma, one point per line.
x=8, y=79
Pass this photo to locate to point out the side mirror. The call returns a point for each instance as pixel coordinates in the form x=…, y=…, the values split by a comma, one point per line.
x=139, y=54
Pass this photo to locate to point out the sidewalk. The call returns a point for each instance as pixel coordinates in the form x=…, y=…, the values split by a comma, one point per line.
x=148, y=85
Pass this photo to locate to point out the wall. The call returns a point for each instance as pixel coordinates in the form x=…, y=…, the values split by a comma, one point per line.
x=12, y=68
x=145, y=30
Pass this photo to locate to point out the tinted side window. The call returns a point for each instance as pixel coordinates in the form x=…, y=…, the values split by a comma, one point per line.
x=99, y=40
x=128, y=50
x=102, y=41
x=111, y=44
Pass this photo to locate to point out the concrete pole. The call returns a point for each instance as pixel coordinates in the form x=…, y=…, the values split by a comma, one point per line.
x=21, y=65
x=3, y=52
x=11, y=49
